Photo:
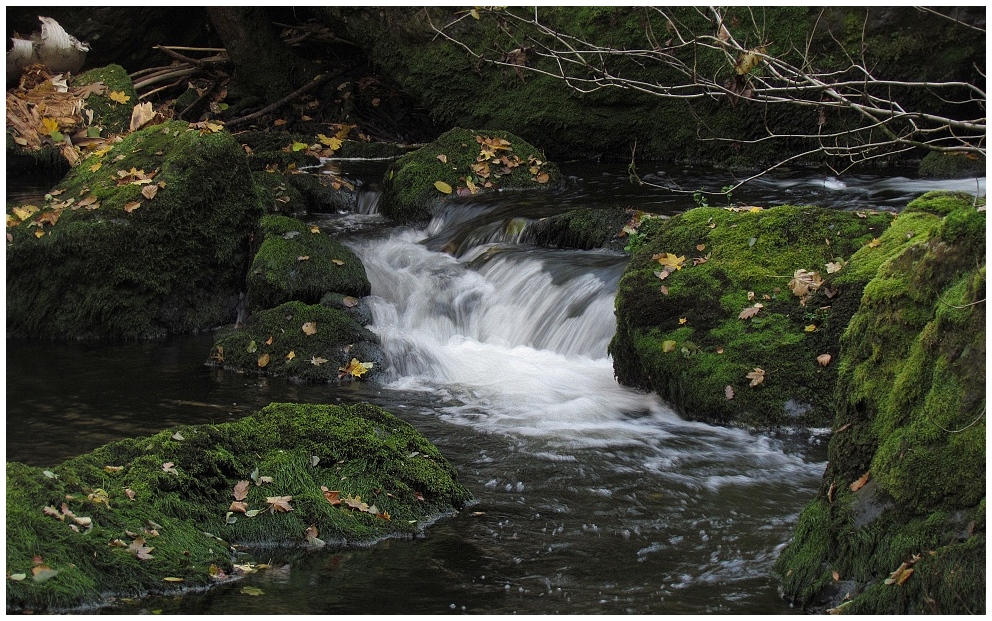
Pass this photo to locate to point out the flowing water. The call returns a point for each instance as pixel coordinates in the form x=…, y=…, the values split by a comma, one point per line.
x=591, y=497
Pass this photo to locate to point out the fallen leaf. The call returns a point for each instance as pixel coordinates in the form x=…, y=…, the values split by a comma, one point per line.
x=824, y=359
x=310, y=328
x=834, y=267
x=810, y=328
x=254, y=591
x=252, y=347
x=542, y=177
x=668, y=346
x=332, y=496
x=355, y=368
x=750, y=311
x=178, y=436
x=141, y=115
x=173, y=579
x=663, y=289
x=120, y=97
x=269, y=340
x=728, y=391
x=17, y=577
x=442, y=158
x=129, y=492
x=803, y=282
x=113, y=469
x=169, y=467
x=241, y=490
x=843, y=428
x=350, y=301
x=43, y=573
x=682, y=321
x=314, y=229
x=290, y=355
x=701, y=247
x=264, y=480
x=129, y=207
x=836, y=576
x=719, y=349
x=337, y=262
x=317, y=361
x=874, y=243
x=149, y=191
x=280, y=504
x=299, y=146
x=860, y=482
x=238, y=507
x=140, y=550
x=669, y=260
x=263, y=360
x=53, y=512
x=442, y=187
x=757, y=376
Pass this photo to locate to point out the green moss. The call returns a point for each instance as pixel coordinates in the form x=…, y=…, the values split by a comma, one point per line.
x=126, y=266
x=182, y=482
x=936, y=165
x=733, y=260
x=277, y=335
x=111, y=116
x=910, y=413
x=581, y=228
x=470, y=156
x=296, y=263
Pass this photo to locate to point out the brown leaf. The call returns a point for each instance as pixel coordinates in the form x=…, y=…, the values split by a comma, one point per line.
x=129, y=492
x=836, y=576
x=757, y=376
x=149, y=191
x=280, y=504
x=310, y=328
x=332, y=496
x=860, y=482
x=350, y=301
x=238, y=507
x=129, y=207
x=750, y=311
x=241, y=490
x=139, y=549
x=830, y=492
x=728, y=390
x=824, y=359
x=53, y=512
x=263, y=360
x=169, y=467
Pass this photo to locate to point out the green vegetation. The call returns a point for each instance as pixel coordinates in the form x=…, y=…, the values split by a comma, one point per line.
x=462, y=162
x=680, y=328
x=113, y=117
x=305, y=342
x=154, y=514
x=581, y=228
x=147, y=238
x=905, y=481
x=297, y=262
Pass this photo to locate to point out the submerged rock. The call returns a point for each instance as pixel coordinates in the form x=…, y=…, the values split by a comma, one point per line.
x=462, y=162
x=160, y=514
x=148, y=238
x=901, y=510
x=726, y=313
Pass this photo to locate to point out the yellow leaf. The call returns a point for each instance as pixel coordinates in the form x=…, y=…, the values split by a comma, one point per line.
x=314, y=229
x=682, y=321
x=337, y=262
x=542, y=177
x=334, y=143
x=48, y=126
x=474, y=13
x=874, y=243
x=39, y=233
x=299, y=146
x=119, y=97
x=442, y=187
x=355, y=368
x=668, y=346
x=173, y=579
x=810, y=328
x=670, y=260
x=96, y=167
x=310, y=328
x=252, y=591
x=290, y=355
x=25, y=212
x=263, y=360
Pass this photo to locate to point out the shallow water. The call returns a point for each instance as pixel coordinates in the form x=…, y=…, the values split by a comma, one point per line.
x=591, y=497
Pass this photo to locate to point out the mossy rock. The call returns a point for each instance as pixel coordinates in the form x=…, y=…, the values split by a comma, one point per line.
x=936, y=165
x=462, y=162
x=683, y=337
x=296, y=261
x=583, y=229
x=276, y=342
x=111, y=116
x=174, y=491
x=100, y=259
x=905, y=481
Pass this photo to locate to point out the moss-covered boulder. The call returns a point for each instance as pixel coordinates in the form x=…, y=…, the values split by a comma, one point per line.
x=583, y=229
x=714, y=314
x=158, y=514
x=296, y=261
x=313, y=343
x=898, y=526
x=462, y=162
x=147, y=238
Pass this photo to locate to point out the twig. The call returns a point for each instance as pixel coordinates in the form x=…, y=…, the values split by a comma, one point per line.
x=282, y=102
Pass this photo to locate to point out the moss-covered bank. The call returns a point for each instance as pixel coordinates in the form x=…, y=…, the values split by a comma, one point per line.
x=462, y=162
x=899, y=522
x=147, y=238
x=679, y=305
x=155, y=514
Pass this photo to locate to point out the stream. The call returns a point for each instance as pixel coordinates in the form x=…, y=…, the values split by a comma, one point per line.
x=591, y=497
